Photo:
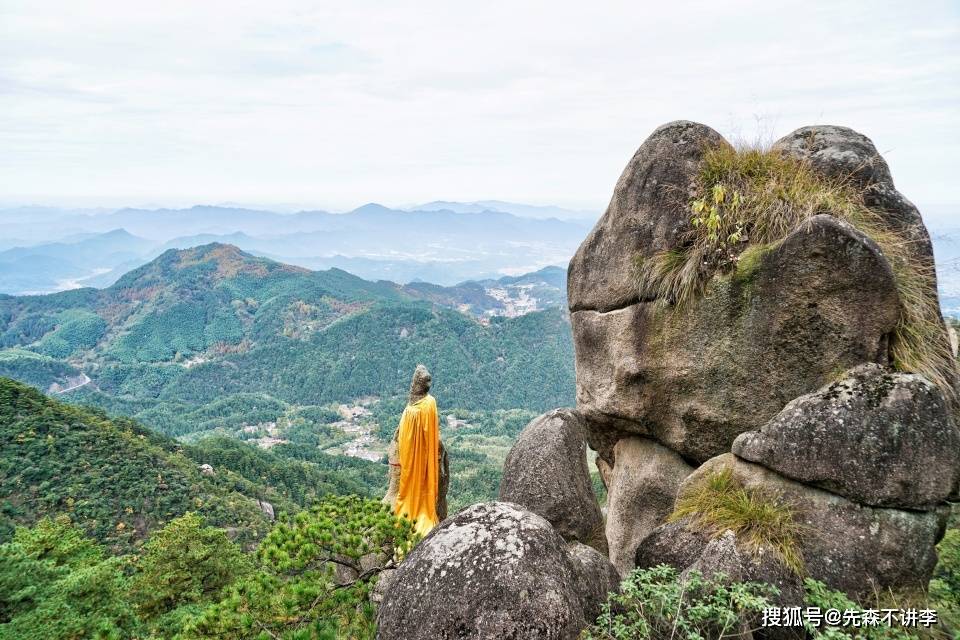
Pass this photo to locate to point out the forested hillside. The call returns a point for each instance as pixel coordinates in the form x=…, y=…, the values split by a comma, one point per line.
x=213, y=338
x=118, y=480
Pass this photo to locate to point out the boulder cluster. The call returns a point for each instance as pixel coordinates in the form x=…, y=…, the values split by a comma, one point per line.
x=781, y=381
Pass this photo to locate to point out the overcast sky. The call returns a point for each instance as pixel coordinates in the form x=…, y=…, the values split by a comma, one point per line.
x=333, y=104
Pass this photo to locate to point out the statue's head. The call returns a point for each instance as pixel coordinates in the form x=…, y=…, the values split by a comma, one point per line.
x=420, y=385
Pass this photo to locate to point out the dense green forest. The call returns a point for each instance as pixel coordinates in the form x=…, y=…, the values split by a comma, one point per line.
x=213, y=338
x=190, y=581
x=109, y=530
x=118, y=480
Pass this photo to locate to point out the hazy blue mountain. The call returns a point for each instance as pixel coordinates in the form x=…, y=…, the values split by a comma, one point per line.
x=375, y=242
x=523, y=210
x=67, y=265
x=509, y=296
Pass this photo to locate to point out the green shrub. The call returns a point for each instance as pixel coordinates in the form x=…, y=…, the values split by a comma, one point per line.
x=820, y=596
x=311, y=583
x=658, y=603
x=945, y=585
x=183, y=563
x=758, y=519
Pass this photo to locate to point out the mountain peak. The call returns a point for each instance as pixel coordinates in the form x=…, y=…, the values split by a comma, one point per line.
x=372, y=207
x=208, y=263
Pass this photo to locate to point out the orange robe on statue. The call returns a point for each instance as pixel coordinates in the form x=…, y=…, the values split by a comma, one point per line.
x=418, y=442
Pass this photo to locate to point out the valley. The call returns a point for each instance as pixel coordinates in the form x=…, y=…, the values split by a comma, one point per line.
x=212, y=342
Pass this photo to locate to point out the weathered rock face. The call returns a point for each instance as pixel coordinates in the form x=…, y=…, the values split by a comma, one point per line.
x=843, y=153
x=595, y=575
x=725, y=555
x=493, y=570
x=821, y=301
x=849, y=546
x=267, y=509
x=647, y=211
x=641, y=493
x=674, y=543
x=878, y=438
x=546, y=472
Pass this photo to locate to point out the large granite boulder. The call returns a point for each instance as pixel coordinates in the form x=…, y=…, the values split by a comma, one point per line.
x=494, y=570
x=857, y=549
x=647, y=212
x=878, y=438
x=676, y=543
x=546, y=472
x=694, y=377
x=595, y=575
x=643, y=487
x=847, y=155
x=822, y=300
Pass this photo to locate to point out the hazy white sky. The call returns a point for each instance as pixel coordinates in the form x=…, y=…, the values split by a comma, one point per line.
x=333, y=104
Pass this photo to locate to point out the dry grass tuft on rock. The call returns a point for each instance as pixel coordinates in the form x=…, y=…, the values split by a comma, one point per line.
x=759, y=521
x=746, y=198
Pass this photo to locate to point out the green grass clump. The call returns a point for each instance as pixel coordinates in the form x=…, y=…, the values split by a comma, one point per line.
x=661, y=603
x=750, y=197
x=758, y=519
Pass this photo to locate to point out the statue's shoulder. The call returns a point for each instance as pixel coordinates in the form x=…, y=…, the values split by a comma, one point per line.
x=425, y=403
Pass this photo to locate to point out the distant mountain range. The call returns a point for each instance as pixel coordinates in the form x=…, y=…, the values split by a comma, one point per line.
x=522, y=210
x=63, y=249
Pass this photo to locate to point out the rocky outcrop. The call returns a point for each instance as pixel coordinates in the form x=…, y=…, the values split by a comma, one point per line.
x=870, y=459
x=642, y=489
x=782, y=357
x=849, y=546
x=845, y=154
x=693, y=378
x=842, y=153
x=546, y=472
x=267, y=509
x=494, y=570
x=878, y=438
